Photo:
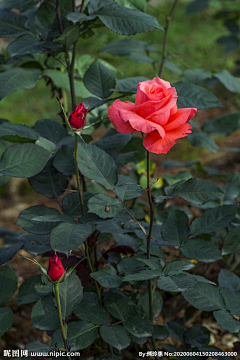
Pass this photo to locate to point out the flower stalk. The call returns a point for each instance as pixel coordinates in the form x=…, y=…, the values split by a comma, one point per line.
x=150, y=290
x=64, y=335
x=77, y=173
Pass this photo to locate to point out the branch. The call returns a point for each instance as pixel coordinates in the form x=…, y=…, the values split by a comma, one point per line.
x=164, y=50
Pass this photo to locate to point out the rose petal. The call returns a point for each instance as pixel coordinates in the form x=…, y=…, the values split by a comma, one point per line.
x=140, y=124
x=180, y=118
x=155, y=144
x=149, y=107
x=116, y=117
x=143, y=89
x=159, y=117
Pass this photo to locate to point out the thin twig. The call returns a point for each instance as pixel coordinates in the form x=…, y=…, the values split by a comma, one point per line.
x=164, y=50
x=82, y=5
x=59, y=16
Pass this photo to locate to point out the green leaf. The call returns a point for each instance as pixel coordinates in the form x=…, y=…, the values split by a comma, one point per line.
x=231, y=242
x=176, y=267
x=106, y=278
x=196, y=76
x=113, y=144
x=64, y=160
x=169, y=65
x=176, y=331
x=28, y=44
x=49, y=182
x=202, y=140
x=140, y=58
x=51, y=130
x=138, y=326
x=133, y=4
x=143, y=275
x=39, y=347
x=21, y=5
x=229, y=280
x=8, y=252
x=150, y=263
x=95, y=5
x=99, y=80
x=17, y=78
x=79, y=17
x=223, y=125
x=44, y=19
x=154, y=250
x=232, y=188
x=231, y=300
x=69, y=36
x=27, y=291
x=201, y=250
x=67, y=237
x=116, y=305
x=12, y=24
x=123, y=47
x=160, y=332
x=45, y=288
x=129, y=191
x=97, y=165
x=197, y=335
x=129, y=265
x=71, y=292
x=196, y=191
x=194, y=96
x=44, y=314
x=6, y=319
x=8, y=282
x=115, y=335
x=226, y=321
x=130, y=84
x=25, y=219
x=71, y=204
x=17, y=133
x=175, y=228
x=175, y=283
x=61, y=80
x=230, y=82
x=81, y=334
x=143, y=304
x=205, y=297
x=105, y=206
x=40, y=245
x=213, y=220
x=126, y=21
x=46, y=144
x=196, y=6
x=23, y=160
x=95, y=313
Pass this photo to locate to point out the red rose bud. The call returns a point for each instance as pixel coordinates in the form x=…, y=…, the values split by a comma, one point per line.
x=77, y=118
x=55, y=269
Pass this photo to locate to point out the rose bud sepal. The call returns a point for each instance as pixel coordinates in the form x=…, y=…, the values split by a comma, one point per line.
x=66, y=274
x=44, y=271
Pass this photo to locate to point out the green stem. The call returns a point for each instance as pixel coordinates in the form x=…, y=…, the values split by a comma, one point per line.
x=150, y=290
x=77, y=173
x=82, y=5
x=64, y=335
x=82, y=210
x=165, y=39
x=91, y=268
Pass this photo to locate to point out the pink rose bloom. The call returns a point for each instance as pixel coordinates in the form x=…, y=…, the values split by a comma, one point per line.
x=155, y=113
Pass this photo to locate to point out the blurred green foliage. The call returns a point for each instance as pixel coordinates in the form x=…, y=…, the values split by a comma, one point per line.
x=191, y=43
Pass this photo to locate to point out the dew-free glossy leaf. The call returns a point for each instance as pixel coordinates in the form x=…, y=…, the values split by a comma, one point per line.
x=97, y=165
x=23, y=160
x=67, y=237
